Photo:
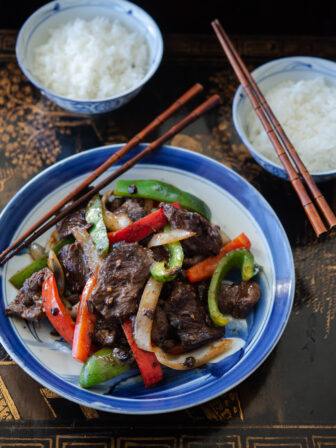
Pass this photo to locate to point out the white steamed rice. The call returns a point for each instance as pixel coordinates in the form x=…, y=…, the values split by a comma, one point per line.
x=94, y=59
x=307, y=111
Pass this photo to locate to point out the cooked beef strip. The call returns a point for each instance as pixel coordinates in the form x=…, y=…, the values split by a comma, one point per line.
x=207, y=240
x=133, y=209
x=74, y=219
x=160, y=253
x=124, y=354
x=191, y=261
x=73, y=299
x=238, y=299
x=28, y=302
x=162, y=334
x=187, y=315
x=107, y=332
x=76, y=272
x=115, y=203
x=202, y=290
x=120, y=279
x=189, y=362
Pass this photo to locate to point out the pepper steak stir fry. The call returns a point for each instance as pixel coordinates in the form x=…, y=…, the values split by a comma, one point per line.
x=138, y=275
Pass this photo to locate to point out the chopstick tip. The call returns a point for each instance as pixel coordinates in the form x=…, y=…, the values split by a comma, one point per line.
x=321, y=233
x=199, y=87
x=217, y=98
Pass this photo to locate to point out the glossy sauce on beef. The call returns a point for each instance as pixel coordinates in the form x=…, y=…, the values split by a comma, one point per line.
x=74, y=266
x=121, y=276
x=74, y=219
x=107, y=332
x=207, y=240
x=186, y=314
x=28, y=301
x=133, y=208
x=238, y=299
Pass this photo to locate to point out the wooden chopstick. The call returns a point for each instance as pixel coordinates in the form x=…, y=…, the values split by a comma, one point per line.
x=269, y=122
x=313, y=188
x=178, y=104
x=194, y=115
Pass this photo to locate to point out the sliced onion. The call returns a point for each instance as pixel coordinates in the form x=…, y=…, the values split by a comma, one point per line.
x=121, y=220
x=106, y=197
x=225, y=237
x=37, y=251
x=72, y=309
x=113, y=221
x=55, y=266
x=53, y=239
x=91, y=255
x=159, y=239
x=201, y=355
x=146, y=312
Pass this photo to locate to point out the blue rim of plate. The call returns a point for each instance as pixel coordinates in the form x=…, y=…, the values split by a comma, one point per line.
x=204, y=167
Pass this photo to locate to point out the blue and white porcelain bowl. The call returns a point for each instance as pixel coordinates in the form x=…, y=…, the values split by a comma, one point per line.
x=34, y=32
x=267, y=76
x=236, y=206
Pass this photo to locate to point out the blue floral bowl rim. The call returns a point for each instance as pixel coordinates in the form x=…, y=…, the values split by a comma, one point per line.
x=152, y=69
x=240, y=91
x=268, y=223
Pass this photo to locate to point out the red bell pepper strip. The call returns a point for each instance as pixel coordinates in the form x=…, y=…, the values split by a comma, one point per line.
x=149, y=366
x=85, y=324
x=55, y=310
x=142, y=228
x=205, y=268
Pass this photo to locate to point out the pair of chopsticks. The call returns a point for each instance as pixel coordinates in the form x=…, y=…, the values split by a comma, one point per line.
x=78, y=196
x=281, y=143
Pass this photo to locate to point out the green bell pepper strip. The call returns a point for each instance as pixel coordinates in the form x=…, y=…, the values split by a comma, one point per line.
x=98, y=232
x=161, y=191
x=101, y=366
x=19, y=278
x=164, y=273
x=239, y=258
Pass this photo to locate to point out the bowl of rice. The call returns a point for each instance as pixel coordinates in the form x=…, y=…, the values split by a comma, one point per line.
x=301, y=91
x=89, y=56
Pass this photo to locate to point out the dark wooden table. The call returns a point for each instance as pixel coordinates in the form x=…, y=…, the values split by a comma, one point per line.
x=290, y=401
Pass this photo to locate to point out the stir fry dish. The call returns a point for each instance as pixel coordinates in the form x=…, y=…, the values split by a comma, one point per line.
x=138, y=276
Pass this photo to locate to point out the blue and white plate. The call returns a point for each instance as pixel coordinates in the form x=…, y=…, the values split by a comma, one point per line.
x=236, y=206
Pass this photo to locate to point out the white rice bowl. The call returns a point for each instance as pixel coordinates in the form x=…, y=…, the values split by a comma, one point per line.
x=91, y=59
x=307, y=111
